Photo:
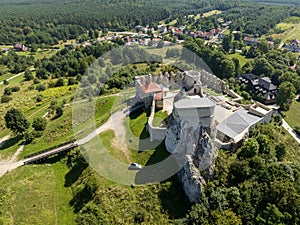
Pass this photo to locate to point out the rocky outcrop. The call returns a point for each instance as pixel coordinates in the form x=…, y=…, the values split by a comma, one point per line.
x=195, y=141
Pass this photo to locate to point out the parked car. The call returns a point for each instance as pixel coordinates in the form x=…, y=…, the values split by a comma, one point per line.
x=134, y=166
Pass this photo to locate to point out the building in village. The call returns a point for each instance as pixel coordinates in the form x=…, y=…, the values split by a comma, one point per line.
x=293, y=46
x=261, y=87
x=20, y=48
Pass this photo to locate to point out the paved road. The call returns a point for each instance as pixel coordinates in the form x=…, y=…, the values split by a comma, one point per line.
x=290, y=130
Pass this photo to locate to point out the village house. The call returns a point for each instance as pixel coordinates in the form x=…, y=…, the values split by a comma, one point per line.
x=162, y=29
x=293, y=46
x=260, y=86
x=20, y=48
x=251, y=41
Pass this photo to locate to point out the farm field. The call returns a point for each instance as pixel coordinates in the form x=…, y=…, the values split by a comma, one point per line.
x=290, y=28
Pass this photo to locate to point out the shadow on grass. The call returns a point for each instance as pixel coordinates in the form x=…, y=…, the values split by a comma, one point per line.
x=72, y=176
x=158, y=155
x=137, y=113
x=11, y=142
x=52, y=159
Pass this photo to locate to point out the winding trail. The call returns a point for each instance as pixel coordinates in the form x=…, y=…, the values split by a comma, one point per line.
x=115, y=122
x=13, y=77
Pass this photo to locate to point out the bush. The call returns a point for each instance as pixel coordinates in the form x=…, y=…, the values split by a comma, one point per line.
x=28, y=137
x=53, y=104
x=5, y=98
x=39, y=124
x=71, y=81
x=40, y=87
x=36, y=81
x=37, y=134
x=39, y=98
x=28, y=75
x=59, y=111
x=15, y=89
x=7, y=91
x=60, y=82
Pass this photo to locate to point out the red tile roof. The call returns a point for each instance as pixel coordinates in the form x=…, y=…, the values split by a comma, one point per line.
x=151, y=88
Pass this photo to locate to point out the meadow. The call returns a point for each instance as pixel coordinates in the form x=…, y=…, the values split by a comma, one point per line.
x=242, y=59
x=292, y=115
x=289, y=29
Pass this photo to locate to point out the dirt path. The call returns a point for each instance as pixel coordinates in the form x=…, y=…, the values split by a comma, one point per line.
x=115, y=123
x=13, y=77
x=290, y=130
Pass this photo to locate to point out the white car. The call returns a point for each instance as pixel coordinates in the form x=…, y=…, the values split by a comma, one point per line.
x=134, y=166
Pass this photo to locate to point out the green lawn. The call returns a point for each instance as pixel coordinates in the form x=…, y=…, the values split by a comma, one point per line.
x=292, y=116
x=114, y=147
x=161, y=51
x=39, y=54
x=35, y=194
x=211, y=13
x=227, y=32
x=159, y=117
x=242, y=59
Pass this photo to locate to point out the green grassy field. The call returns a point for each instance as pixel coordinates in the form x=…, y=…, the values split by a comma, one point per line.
x=161, y=51
x=36, y=194
x=159, y=117
x=39, y=54
x=292, y=116
x=242, y=59
x=290, y=28
x=211, y=13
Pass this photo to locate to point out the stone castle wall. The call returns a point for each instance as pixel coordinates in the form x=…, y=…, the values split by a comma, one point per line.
x=156, y=133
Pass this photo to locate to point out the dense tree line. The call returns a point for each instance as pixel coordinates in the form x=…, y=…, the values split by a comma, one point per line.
x=46, y=22
x=255, y=19
x=221, y=65
x=16, y=63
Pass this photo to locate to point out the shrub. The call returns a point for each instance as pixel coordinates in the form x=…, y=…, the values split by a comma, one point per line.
x=15, y=89
x=28, y=137
x=39, y=124
x=39, y=98
x=40, y=87
x=7, y=91
x=60, y=82
x=5, y=98
x=71, y=81
x=28, y=75
x=37, y=134
x=59, y=111
x=53, y=104
x=36, y=81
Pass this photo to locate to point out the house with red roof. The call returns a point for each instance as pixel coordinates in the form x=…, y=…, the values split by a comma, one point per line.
x=147, y=91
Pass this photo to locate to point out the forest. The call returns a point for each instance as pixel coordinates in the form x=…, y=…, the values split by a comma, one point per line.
x=47, y=22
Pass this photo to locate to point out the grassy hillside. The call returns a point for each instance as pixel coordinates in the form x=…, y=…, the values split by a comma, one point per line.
x=36, y=194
